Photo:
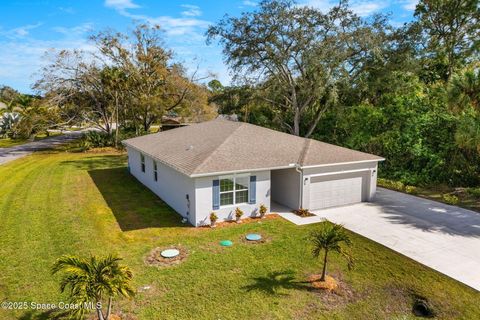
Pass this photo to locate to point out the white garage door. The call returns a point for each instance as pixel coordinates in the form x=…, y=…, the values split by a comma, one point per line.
x=335, y=192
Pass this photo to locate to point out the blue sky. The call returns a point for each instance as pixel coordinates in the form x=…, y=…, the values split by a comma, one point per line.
x=30, y=28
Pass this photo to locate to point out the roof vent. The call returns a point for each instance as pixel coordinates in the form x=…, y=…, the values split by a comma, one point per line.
x=190, y=147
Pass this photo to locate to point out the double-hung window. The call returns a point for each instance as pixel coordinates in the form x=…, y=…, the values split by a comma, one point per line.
x=234, y=190
x=155, y=175
x=142, y=160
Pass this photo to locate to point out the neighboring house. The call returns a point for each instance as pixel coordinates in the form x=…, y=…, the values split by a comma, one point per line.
x=219, y=165
x=172, y=122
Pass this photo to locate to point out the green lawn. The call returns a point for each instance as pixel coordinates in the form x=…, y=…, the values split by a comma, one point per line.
x=7, y=142
x=58, y=203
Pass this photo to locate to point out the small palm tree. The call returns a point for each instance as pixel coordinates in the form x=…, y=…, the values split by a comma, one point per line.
x=92, y=281
x=330, y=238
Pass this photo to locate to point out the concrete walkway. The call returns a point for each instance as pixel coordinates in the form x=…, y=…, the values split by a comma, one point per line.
x=13, y=153
x=445, y=238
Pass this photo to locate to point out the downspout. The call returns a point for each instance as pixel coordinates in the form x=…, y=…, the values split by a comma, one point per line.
x=300, y=171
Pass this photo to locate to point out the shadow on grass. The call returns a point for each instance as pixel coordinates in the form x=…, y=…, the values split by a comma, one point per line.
x=273, y=281
x=50, y=314
x=95, y=162
x=134, y=206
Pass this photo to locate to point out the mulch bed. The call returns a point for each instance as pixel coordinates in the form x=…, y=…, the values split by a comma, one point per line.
x=155, y=259
x=303, y=213
x=334, y=292
x=232, y=223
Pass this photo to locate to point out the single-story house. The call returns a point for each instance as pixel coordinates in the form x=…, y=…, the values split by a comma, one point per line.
x=220, y=165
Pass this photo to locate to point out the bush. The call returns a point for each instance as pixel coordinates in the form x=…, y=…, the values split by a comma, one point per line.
x=262, y=210
x=450, y=199
x=390, y=184
x=8, y=121
x=411, y=189
x=97, y=139
x=238, y=213
x=213, y=218
x=474, y=192
x=303, y=212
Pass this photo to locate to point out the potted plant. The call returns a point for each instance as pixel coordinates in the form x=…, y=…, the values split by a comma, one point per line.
x=238, y=214
x=213, y=219
x=262, y=210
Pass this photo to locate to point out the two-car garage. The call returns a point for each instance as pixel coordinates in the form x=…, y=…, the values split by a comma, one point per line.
x=324, y=187
x=337, y=190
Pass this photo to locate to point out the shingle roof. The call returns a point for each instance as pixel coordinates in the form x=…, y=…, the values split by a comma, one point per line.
x=226, y=146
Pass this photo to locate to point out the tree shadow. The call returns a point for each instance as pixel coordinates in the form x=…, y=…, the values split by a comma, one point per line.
x=134, y=205
x=49, y=314
x=97, y=162
x=274, y=281
x=427, y=215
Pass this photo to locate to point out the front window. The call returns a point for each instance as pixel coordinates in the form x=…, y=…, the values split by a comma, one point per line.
x=234, y=190
x=142, y=160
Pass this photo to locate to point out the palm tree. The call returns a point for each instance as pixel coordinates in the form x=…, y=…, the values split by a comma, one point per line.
x=330, y=238
x=92, y=281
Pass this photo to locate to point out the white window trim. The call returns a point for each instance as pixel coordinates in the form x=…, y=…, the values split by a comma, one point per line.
x=234, y=177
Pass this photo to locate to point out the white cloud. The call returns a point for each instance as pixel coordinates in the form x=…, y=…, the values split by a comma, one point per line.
x=192, y=11
x=190, y=26
x=20, y=32
x=249, y=3
x=79, y=30
x=68, y=10
x=20, y=61
x=409, y=5
x=363, y=8
x=367, y=8
x=121, y=4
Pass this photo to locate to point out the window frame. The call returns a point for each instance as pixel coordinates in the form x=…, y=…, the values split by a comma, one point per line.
x=142, y=162
x=234, y=190
x=155, y=170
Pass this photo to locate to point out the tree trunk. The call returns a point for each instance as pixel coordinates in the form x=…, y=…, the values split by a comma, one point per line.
x=99, y=312
x=324, y=271
x=116, y=121
x=296, y=122
x=109, y=308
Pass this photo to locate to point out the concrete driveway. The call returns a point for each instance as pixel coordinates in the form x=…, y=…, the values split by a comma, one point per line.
x=445, y=238
x=12, y=153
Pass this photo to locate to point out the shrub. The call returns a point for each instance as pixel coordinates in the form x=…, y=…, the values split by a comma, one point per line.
x=7, y=122
x=262, y=210
x=411, y=189
x=450, y=199
x=97, y=139
x=474, y=192
x=213, y=218
x=391, y=184
x=238, y=213
x=303, y=212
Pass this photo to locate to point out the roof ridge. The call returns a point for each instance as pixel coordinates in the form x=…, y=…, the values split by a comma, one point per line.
x=221, y=144
x=304, y=151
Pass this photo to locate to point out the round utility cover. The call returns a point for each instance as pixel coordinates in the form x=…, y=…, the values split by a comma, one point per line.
x=226, y=243
x=253, y=237
x=170, y=253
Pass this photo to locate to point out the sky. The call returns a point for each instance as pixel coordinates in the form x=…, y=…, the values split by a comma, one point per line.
x=28, y=29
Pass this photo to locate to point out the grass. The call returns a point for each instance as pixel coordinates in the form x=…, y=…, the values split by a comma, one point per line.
x=8, y=142
x=56, y=203
x=468, y=198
